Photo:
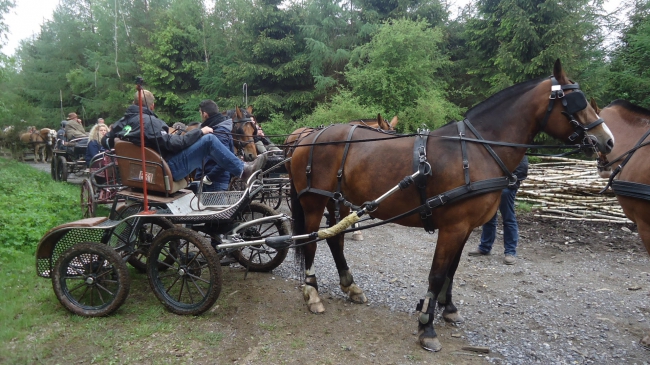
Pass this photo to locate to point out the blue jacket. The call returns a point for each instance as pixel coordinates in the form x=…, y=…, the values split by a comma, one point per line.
x=222, y=130
x=93, y=149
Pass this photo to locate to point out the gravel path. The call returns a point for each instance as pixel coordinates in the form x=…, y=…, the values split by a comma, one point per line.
x=72, y=178
x=578, y=294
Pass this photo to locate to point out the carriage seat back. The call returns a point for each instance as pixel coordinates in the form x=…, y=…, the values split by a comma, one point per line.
x=159, y=177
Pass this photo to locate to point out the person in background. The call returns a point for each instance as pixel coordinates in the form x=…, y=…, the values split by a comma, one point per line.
x=74, y=128
x=100, y=121
x=510, y=227
x=262, y=142
x=60, y=135
x=94, y=142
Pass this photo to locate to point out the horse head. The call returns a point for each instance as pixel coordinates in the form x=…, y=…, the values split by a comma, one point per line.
x=243, y=130
x=569, y=117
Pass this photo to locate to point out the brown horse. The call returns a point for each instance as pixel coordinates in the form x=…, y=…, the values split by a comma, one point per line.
x=630, y=125
x=39, y=140
x=461, y=184
x=243, y=132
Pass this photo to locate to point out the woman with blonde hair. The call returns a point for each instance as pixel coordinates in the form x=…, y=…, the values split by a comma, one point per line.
x=94, y=141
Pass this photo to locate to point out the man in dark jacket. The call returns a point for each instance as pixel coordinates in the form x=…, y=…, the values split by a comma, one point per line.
x=215, y=178
x=183, y=153
x=510, y=227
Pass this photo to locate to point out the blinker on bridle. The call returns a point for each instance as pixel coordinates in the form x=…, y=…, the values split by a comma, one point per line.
x=572, y=102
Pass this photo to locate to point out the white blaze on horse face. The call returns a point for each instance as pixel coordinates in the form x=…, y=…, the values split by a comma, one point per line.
x=606, y=129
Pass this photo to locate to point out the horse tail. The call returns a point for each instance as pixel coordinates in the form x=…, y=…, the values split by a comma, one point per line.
x=298, y=216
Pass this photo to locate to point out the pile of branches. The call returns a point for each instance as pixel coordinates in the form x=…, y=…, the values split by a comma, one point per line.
x=568, y=189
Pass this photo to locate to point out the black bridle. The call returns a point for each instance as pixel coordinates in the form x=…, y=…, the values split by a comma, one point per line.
x=572, y=102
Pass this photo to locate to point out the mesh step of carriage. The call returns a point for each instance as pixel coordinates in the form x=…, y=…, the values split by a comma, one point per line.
x=221, y=199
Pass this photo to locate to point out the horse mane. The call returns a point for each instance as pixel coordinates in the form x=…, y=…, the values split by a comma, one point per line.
x=631, y=107
x=504, y=95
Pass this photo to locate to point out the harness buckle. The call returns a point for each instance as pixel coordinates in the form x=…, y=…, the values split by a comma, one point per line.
x=308, y=172
x=339, y=173
x=465, y=164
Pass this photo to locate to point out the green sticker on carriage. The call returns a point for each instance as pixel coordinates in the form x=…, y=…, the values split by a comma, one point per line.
x=127, y=129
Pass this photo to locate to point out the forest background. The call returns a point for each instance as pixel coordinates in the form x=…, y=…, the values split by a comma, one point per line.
x=314, y=62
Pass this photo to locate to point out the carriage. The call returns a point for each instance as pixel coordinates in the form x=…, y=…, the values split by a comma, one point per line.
x=68, y=158
x=172, y=234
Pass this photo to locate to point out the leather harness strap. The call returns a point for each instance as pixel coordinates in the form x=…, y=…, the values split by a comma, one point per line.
x=338, y=197
x=421, y=164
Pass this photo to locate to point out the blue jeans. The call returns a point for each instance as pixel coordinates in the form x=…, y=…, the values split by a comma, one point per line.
x=510, y=228
x=191, y=158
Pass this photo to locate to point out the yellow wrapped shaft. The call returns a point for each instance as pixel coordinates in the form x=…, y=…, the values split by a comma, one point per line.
x=340, y=227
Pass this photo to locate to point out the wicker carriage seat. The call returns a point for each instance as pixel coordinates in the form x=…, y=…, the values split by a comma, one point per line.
x=159, y=177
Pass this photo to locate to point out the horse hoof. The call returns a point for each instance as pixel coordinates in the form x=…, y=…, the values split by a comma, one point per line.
x=453, y=317
x=645, y=342
x=355, y=293
x=310, y=294
x=357, y=236
x=430, y=344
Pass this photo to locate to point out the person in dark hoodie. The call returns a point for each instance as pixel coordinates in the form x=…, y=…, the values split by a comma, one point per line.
x=183, y=153
x=215, y=178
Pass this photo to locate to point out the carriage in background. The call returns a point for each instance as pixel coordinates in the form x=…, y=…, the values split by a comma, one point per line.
x=68, y=158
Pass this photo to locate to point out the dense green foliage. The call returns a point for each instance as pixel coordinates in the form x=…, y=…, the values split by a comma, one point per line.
x=417, y=59
x=31, y=203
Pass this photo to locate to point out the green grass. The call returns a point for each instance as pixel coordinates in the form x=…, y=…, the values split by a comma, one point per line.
x=31, y=203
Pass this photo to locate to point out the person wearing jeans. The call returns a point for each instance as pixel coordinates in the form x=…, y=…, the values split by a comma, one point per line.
x=183, y=153
x=510, y=227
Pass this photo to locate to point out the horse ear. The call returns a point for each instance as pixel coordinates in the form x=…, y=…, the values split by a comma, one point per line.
x=559, y=74
x=238, y=113
x=382, y=123
x=593, y=104
x=250, y=109
x=393, y=122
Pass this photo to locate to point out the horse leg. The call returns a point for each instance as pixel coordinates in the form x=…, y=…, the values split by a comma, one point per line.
x=450, y=312
x=311, y=223
x=448, y=248
x=643, y=226
x=346, y=281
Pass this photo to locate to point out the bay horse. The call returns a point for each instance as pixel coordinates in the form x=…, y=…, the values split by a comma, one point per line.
x=243, y=132
x=630, y=125
x=461, y=186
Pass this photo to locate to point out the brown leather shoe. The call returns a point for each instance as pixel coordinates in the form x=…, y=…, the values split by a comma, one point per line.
x=509, y=260
x=251, y=167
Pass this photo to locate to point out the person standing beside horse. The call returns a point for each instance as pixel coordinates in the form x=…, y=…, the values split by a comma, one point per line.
x=262, y=142
x=510, y=227
x=74, y=129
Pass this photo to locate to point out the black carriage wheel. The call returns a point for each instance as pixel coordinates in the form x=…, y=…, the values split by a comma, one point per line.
x=90, y=279
x=261, y=258
x=61, y=169
x=272, y=196
x=150, y=229
x=192, y=282
x=53, y=165
x=88, y=199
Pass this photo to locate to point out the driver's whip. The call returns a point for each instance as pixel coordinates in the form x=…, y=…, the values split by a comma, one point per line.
x=138, y=86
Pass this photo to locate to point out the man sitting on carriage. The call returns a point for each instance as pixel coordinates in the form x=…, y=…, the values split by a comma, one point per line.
x=214, y=177
x=74, y=129
x=183, y=153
